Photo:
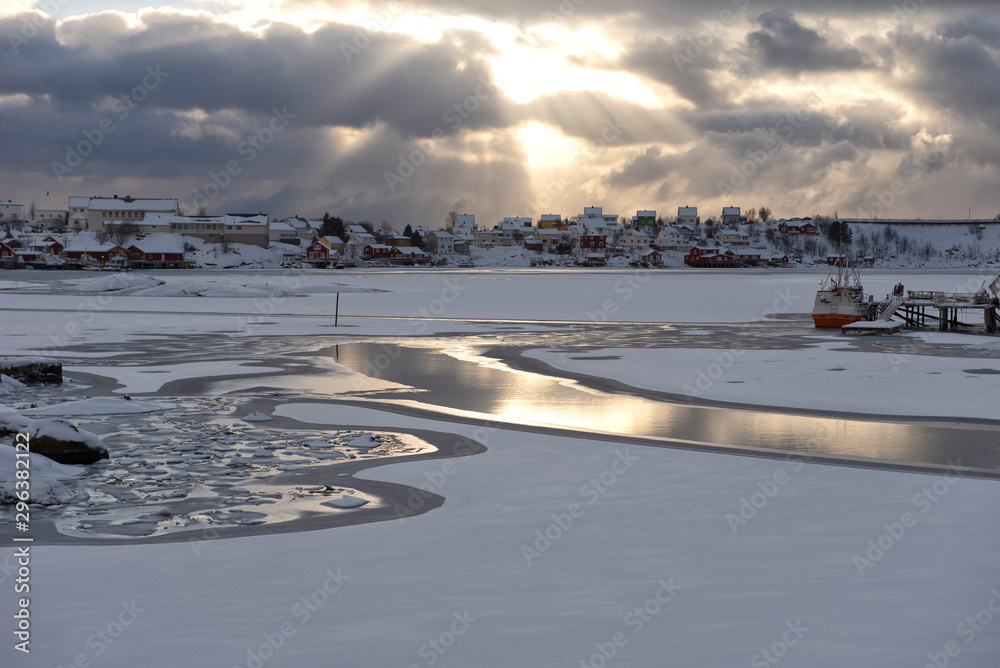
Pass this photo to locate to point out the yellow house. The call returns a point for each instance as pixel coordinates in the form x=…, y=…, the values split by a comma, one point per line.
x=551, y=221
x=333, y=243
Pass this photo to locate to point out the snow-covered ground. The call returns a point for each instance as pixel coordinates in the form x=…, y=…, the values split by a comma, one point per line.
x=549, y=550
x=300, y=303
x=829, y=376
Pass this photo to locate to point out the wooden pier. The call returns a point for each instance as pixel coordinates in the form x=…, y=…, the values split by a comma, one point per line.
x=919, y=306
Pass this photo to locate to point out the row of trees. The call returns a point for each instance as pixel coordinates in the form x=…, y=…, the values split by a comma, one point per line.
x=335, y=226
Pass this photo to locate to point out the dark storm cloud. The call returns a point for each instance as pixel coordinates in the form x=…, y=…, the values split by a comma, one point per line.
x=960, y=73
x=323, y=77
x=671, y=62
x=866, y=125
x=649, y=166
x=981, y=28
x=398, y=94
x=217, y=88
x=653, y=15
x=786, y=44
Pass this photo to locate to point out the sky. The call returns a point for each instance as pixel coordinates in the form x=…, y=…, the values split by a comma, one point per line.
x=404, y=111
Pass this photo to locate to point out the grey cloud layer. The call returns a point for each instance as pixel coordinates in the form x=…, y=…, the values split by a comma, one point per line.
x=223, y=85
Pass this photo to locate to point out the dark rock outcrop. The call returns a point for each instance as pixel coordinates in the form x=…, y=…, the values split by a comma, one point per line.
x=32, y=370
x=58, y=440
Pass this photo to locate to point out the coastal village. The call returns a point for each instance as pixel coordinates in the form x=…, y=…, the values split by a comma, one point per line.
x=151, y=233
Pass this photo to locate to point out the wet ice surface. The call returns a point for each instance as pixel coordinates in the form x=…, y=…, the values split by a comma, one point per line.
x=198, y=466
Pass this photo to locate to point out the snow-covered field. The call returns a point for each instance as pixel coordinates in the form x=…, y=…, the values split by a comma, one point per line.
x=549, y=550
x=829, y=376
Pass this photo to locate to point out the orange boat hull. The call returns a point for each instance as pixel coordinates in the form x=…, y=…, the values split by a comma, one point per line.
x=834, y=319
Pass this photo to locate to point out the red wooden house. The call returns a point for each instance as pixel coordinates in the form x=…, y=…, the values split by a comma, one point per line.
x=796, y=227
x=376, y=252
x=155, y=257
x=709, y=256
x=408, y=255
x=652, y=257
x=8, y=258
x=318, y=254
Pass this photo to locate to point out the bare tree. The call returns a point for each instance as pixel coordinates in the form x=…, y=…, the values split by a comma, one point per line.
x=764, y=213
x=752, y=216
x=123, y=231
x=449, y=222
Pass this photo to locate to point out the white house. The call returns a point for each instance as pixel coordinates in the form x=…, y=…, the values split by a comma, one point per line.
x=465, y=223
x=732, y=237
x=487, y=237
x=549, y=238
x=11, y=211
x=51, y=217
x=126, y=209
x=598, y=212
x=241, y=228
x=635, y=239
x=515, y=222
x=731, y=216
x=283, y=233
x=687, y=215
x=676, y=237
x=441, y=242
x=77, y=221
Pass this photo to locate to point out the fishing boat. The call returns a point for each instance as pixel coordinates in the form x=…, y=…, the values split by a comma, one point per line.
x=840, y=299
x=47, y=261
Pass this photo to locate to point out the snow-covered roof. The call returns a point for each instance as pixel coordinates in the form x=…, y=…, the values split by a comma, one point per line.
x=161, y=243
x=640, y=234
x=79, y=202
x=645, y=214
x=245, y=219
x=409, y=250
x=78, y=216
x=281, y=227
x=132, y=204
x=592, y=210
x=88, y=245
x=730, y=211
x=442, y=234
x=333, y=240
x=687, y=211
x=551, y=216
x=515, y=222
